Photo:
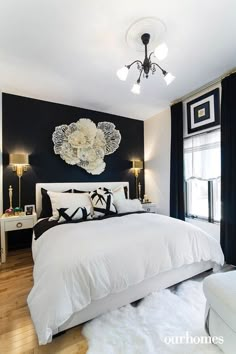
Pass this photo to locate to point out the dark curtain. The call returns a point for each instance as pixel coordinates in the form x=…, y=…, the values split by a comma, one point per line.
x=228, y=169
x=177, y=163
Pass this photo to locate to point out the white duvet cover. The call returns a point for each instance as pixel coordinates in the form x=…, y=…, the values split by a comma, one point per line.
x=78, y=263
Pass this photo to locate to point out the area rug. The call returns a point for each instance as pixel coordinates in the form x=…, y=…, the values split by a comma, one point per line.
x=155, y=325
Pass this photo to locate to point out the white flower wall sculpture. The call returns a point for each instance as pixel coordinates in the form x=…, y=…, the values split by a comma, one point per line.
x=84, y=144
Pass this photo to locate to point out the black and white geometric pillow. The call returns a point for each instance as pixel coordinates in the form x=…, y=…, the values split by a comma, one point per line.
x=73, y=214
x=103, y=203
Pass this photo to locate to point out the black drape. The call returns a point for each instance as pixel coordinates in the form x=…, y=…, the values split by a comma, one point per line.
x=228, y=169
x=176, y=163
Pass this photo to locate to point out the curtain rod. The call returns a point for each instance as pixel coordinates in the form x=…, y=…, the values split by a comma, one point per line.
x=204, y=87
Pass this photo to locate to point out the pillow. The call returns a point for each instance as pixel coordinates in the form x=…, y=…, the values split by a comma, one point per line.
x=120, y=190
x=126, y=192
x=73, y=214
x=128, y=206
x=68, y=200
x=118, y=194
x=78, y=191
x=103, y=203
x=46, y=203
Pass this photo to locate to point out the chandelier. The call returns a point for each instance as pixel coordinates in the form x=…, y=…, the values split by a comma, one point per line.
x=147, y=65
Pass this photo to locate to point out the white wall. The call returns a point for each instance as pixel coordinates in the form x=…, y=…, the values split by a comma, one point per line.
x=157, y=160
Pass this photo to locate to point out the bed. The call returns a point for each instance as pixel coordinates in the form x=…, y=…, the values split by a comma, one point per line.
x=83, y=270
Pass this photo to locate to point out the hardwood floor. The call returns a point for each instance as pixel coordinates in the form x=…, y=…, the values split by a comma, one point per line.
x=17, y=333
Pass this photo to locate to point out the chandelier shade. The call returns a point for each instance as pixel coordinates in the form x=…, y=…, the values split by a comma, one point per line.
x=147, y=65
x=169, y=78
x=136, y=89
x=161, y=51
x=123, y=73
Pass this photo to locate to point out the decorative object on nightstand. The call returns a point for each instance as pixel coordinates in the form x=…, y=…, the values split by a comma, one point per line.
x=12, y=224
x=137, y=165
x=18, y=211
x=19, y=163
x=150, y=207
x=146, y=199
x=10, y=210
x=29, y=209
x=13, y=211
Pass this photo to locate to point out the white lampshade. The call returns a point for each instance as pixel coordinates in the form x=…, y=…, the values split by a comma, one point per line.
x=122, y=73
x=136, y=89
x=169, y=78
x=161, y=51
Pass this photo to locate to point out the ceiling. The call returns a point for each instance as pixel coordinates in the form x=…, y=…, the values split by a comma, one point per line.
x=68, y=51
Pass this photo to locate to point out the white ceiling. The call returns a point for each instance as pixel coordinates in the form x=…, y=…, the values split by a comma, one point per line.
x=68, y=51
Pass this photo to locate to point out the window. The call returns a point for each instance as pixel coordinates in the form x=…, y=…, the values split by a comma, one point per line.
x=202, y=176
x=197, y=201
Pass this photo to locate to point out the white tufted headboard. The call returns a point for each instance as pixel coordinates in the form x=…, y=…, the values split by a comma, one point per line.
x=82, y=186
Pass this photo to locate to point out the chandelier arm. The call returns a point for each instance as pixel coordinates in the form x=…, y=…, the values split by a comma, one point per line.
x=150, y=55
x=138, y=81
x=163, y=71
x=136, y=61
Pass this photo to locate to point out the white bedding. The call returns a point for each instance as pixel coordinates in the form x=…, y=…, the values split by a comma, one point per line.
x=78, y=263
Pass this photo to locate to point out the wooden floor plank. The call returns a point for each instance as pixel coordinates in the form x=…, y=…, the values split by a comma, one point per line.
x=17, y=334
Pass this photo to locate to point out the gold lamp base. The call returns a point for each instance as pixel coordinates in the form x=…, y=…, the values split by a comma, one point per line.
x=137, y=166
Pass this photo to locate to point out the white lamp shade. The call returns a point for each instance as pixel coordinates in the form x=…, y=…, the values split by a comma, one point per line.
x=169, y=78
x=136, y=89
x=122, y=73
x=161, y=51
x=19, y=159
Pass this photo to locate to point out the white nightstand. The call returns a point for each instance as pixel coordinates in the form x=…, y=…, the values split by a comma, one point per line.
x=13, y=223
x=150, y=207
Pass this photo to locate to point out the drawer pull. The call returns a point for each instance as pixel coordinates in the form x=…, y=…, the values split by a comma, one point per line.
x=19, y=225
x=148, y=209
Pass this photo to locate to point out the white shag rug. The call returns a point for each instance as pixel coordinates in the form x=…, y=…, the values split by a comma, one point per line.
x=142, y=329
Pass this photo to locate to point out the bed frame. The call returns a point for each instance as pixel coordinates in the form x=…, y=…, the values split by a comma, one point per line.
x=133, y=293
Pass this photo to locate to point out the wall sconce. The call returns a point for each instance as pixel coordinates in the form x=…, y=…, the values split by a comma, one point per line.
x=137, y=165
x=19, y=163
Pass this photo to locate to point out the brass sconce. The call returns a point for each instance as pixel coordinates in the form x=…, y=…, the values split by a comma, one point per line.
x=137, y=165
x=19, y=163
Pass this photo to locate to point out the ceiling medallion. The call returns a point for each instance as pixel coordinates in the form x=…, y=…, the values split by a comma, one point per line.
x=152, y=25
x=150, y=35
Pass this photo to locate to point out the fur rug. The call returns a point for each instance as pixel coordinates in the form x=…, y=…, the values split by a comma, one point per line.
x=142, y=329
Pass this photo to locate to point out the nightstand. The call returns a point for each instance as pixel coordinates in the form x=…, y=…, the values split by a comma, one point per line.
x=150, y=207
x=13, y=223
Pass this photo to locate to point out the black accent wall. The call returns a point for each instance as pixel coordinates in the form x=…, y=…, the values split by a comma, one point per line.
x=28, y=125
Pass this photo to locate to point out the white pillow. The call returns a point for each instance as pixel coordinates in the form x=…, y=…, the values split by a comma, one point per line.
x=128, y=206
x=68, y=200
x=102, y=201
x=118, y=194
